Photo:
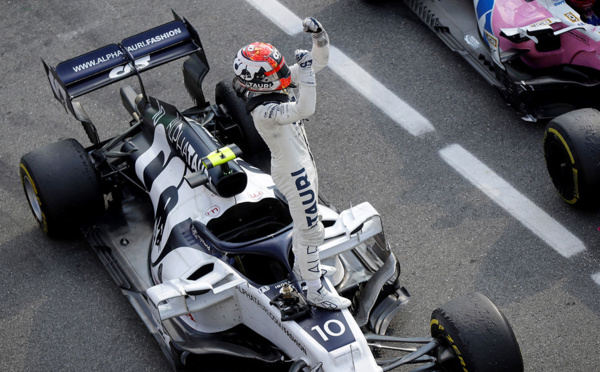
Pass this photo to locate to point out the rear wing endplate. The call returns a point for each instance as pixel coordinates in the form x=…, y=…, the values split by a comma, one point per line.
x=107, y=65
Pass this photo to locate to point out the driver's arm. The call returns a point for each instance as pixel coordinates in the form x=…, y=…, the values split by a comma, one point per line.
x=303, y=74
x=320, y=47
x=290, y=112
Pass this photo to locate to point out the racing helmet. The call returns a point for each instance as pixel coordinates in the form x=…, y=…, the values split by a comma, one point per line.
x=259, y=67
x=582, y=5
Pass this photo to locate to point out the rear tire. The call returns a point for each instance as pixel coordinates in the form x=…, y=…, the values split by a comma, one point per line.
x=476, y=335
x=254, y=148
x=572, y=153
x=62, y=187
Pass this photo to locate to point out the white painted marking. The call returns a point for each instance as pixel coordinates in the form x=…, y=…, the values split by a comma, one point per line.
x=68, y=35
x=521, y=208
x=278, y=14
x=596, y=277
x=379, y=95
x=353, y=74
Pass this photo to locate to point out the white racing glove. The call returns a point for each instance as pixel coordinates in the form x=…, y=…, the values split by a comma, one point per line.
x=306, y=75
x=314, y=27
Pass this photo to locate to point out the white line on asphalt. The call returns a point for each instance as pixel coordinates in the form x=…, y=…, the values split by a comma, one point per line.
x=278, y=14
x=353, y=74
x=521, y=208
x=596, y=277
x=379, y=95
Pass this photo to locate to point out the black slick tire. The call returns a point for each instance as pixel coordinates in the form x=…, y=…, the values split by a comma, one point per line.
x=62, y=187
x=572, y=154
x=475, y=336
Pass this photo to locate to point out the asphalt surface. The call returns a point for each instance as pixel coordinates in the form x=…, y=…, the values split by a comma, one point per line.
x=59, y=308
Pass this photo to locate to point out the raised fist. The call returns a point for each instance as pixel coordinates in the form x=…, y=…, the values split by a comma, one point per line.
x=311, y=25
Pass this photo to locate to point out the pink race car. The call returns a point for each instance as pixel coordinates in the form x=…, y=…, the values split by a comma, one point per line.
x=542, y=55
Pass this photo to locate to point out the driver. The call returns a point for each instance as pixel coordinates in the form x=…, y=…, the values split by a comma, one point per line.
x=278, y=116
x=584, y=8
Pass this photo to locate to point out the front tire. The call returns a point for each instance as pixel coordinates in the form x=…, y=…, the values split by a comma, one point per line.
x=572, y=153
x=62, y=187
x=475, y=336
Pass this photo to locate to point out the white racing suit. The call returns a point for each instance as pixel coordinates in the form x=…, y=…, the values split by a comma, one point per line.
x=292, y=165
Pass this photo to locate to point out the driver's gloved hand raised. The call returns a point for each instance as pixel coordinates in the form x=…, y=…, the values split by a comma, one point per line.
x=314, y=27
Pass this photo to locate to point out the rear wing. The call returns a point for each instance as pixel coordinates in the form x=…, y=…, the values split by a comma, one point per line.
x=114, y=62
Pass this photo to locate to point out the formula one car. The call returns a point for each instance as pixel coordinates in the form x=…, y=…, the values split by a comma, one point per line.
x=199, y=238
x=539, y=54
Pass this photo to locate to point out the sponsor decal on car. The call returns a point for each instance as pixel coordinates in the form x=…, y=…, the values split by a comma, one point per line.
x=572, y=17
x=213, y=211
x=119, y=71
x=255, y=195
x=264, y=289
x=199, y=239
x=273, y=317
x=543, y=22
x=491, y=39
x=177, y=137
x=579, y=36
x=130, y=48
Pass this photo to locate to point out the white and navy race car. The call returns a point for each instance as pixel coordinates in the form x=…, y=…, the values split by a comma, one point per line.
x=198, y=237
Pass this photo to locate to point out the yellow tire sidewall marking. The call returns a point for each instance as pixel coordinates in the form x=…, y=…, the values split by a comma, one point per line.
x=575, y=172
x=43, y=223
x=436, y=323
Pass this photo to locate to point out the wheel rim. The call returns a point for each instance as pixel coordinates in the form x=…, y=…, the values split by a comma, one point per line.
x=560, y=169
x=445, y=355
x=32, y=198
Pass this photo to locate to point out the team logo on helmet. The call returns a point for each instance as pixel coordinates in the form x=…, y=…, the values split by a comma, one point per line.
x=260, y=67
